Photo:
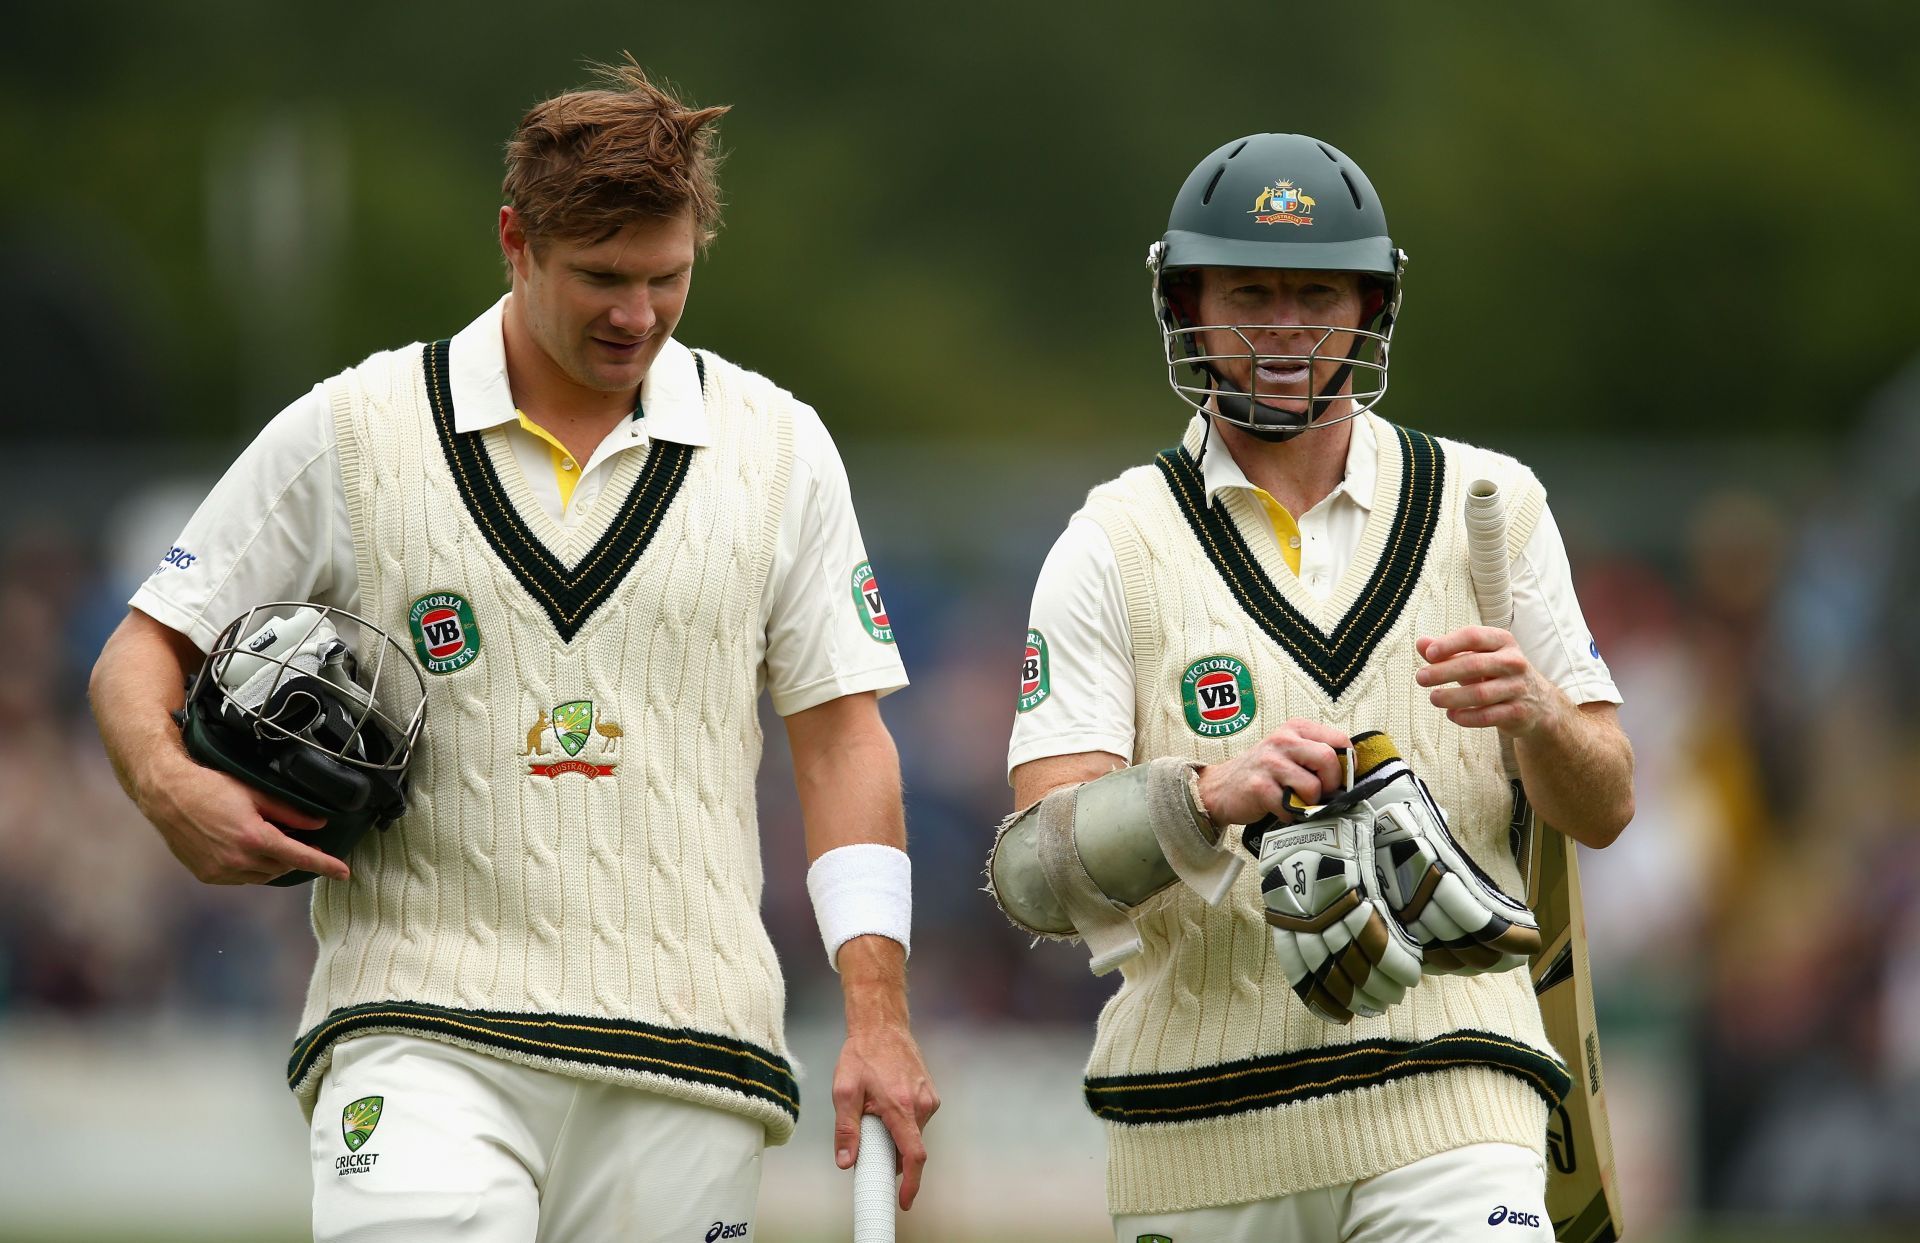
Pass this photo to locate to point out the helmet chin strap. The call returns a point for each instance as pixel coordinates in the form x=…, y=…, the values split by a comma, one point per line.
x=1271, y=423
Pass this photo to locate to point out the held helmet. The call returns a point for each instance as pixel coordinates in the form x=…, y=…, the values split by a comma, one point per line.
x=1275, y=201
x=283, y=704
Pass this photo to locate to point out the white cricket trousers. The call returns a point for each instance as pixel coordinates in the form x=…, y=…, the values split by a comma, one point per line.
x=1487, y=1193
x=421, y=1141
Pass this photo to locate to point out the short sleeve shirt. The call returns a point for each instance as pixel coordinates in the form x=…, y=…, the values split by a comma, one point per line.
x=276, y=527
x=1079, y=605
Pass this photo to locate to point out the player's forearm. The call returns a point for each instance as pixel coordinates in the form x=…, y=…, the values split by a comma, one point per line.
x=854, y=800
x=847, y=773
x=137, y=682
x=873, y=982
x=1578, y=771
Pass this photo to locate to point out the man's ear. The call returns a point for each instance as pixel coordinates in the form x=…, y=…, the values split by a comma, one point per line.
x=1183, y=296
x=1373, y=300
x=515, y=247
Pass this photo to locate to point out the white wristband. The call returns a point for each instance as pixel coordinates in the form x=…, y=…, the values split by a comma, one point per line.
x=860, y=890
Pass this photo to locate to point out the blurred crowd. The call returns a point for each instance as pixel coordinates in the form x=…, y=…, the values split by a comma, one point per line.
x=1762, y=914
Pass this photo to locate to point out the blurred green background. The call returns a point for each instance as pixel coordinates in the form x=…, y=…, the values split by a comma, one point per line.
x=1664, y=252
x=939, y=218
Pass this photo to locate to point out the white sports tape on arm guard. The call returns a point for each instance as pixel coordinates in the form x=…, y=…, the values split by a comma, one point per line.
x=860, y=890
x=1076, y=861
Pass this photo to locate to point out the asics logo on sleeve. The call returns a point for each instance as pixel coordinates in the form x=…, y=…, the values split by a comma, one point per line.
x=177, y=557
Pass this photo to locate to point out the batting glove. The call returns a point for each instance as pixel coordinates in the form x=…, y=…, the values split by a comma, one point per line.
x=1464, y=923
x=1332, y=930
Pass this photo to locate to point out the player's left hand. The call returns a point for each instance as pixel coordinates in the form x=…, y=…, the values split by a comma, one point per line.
x=881, y=1072
x=1483, y=679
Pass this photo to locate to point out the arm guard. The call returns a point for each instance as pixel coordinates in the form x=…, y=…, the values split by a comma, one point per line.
x=1076, y=861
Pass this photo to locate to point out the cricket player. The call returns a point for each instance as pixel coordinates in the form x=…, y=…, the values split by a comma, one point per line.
x=545, y=1006
x=1273, y=625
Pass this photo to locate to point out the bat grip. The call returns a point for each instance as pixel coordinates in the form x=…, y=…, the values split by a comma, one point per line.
x=873, y=1183
x=1487, y=552
x=1487, y=559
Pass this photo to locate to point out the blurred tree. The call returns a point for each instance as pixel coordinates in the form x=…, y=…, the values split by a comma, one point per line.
x=1645, y=218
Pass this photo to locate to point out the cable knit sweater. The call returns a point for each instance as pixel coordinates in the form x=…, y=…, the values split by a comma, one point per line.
x=1217, y=1084
x=576, y=883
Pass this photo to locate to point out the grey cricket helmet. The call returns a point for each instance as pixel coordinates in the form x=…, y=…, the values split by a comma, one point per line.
x=316, y=706
x=1276, y=201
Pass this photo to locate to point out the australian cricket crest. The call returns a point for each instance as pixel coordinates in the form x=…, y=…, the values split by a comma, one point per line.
x=1217, y=694
x=1035, y=685
x=358, y=1120
x=867, y=602
x=444, y=633
x=1283, y=202
x=564, y=733
x=357, y=1123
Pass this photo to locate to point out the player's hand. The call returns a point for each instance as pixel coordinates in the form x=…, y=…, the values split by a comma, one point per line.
x=881, y=1073
x=228, y=833
x=880, y=1070
x=1483, y=679
x=1333, y=932
x=1301, y=756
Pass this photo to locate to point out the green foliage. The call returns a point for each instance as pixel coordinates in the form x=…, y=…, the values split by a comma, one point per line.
x=1642, y=217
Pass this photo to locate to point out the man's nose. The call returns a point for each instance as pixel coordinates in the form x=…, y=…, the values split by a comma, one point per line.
x=634, y=315
x=1284, y=329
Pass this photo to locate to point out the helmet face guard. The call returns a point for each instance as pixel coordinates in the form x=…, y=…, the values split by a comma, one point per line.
x=284, y=704
x=1327, y=218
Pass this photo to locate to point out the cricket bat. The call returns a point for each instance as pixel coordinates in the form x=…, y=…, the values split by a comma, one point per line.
x=1583, y=1196
x=874, y=1184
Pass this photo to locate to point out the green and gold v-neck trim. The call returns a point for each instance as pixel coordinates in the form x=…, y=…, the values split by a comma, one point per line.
x=568, y=595
x=1333, y=659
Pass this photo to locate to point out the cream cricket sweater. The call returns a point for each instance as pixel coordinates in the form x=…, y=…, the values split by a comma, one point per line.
x=576, y=883
x=1217, y=1084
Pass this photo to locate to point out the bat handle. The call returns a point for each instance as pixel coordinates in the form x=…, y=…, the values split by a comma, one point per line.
x=874, y=1184
x=1487, y=552
x=1487, y=561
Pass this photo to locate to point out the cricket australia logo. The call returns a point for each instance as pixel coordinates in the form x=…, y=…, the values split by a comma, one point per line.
x=358, y=1120
x=444, y=635
x=1217, y=694
x=571, y=728
x=357, y=1123
x=1034, y=683
x=867, y=603
x=1283, y=203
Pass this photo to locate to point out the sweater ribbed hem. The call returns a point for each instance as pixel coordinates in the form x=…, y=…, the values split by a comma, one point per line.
x=1172, y=1167
x=703, y=1068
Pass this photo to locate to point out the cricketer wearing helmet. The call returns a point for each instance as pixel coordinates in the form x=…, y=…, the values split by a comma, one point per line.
x=545, y=1005
x=1268, y=638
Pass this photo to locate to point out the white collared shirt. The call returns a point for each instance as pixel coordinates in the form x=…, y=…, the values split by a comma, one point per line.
x=1080, y=605
x=276, y=528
